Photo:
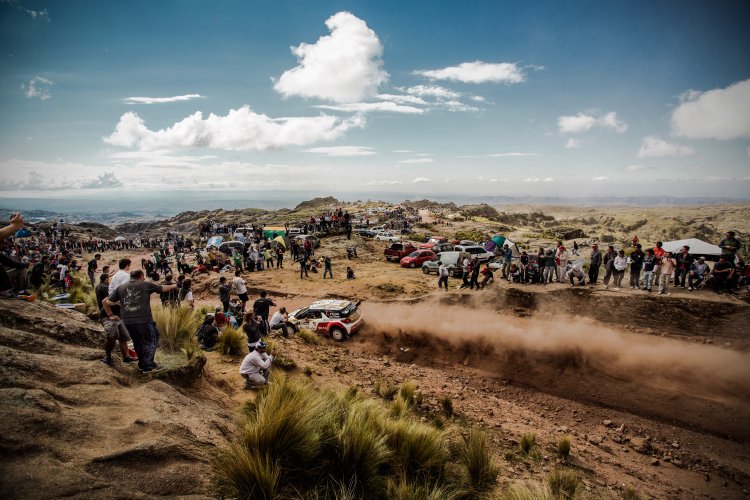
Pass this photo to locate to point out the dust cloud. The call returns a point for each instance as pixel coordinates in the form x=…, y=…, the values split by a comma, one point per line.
x=698, y=369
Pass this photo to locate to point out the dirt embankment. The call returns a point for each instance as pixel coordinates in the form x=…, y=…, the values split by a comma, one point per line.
x=75, y=427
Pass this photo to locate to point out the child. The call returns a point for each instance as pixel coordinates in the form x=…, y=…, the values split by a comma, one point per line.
x=350, y=273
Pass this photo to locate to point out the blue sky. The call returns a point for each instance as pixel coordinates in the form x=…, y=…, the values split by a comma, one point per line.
x=429, y=97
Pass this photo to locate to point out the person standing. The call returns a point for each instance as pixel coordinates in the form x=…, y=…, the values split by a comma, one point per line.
x=507, y=259
x=561, y=259
x=649, y=263
x=134, y=298
x=262, y=308
x=256, y=367
x=575, y=248
x=465, y=272
x=684, y=263
x=666, y=269
x=475, y=268
x=658, y=253
x=619, y=265
x=92, y=267
x=549, y=266
x=730, y=245
x=122, y=275
x=636, y=264
x=114, y=328
x=224, y=291
x=442, y=275
x=594, y=264
x=279, y=257
x=609, y=264
x=327, y=267
x=239, y=286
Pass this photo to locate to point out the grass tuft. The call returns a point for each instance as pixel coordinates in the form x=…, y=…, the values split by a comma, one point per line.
x=384, y=389
x=528, y=491
x=177, y=326
x=563, y=483
x=308, y=336
x=478, y=472
x=447, y=403
x=231, y=342
x=528, y=444
x=240, y=469
x=563, y=447
x=403, y=490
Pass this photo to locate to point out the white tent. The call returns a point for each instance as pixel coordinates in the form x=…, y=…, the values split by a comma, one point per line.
x=697, y=247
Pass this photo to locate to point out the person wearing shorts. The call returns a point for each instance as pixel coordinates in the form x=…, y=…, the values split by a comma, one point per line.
x=114, y=328
x=239, y=285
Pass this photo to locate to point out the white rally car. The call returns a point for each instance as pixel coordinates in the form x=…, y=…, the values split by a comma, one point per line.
x=337, y=318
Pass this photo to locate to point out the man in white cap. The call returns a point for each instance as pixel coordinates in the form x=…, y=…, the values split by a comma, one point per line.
x=256, y=367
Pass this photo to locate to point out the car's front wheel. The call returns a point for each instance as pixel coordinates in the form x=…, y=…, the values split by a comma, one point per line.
x=426, y=270
x=338, y=334
x=412, y=265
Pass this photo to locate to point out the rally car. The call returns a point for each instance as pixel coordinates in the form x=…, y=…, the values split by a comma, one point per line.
x=337, y=318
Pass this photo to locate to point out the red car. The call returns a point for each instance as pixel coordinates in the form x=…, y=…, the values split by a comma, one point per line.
x=416, y=259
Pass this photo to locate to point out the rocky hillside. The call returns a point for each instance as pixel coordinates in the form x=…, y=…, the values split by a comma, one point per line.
x=73, y=427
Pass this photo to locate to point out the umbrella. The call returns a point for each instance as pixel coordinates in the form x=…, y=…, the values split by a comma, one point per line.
x=280, y=240
x=120, y=238
x=23, y=233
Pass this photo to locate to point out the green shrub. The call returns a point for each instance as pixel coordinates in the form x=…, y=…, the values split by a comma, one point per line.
x=231, y=342
x=307, y=370
x=407, y=392
x=563, y=446
x=308, y=336
x=177, y=326
x=478, y=472
x=419, y=450
x=447, y=404
x=528, y=491
x=472, y=234
x=563, y=484
x=384, y=389
x=403, y=490
x=399, y=407
x=528, y=444
x=240, y=469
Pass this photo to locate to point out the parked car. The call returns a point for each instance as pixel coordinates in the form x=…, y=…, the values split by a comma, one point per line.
x=386, y=236
x=477, y=251
x=337, y=318
x=437, y=247
x=452, y=260
x=398, y=250
x=229, y=247
x=304, y=237
x=417, y=258
x=367, y=233
x=294, y=231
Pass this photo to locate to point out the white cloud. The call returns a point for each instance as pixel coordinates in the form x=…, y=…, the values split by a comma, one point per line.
x=602, y=178
x=495, y=179
x=477, y=72
x=106, y=180
x=477, y=98
x=343, y=151
x=572, y=143
x=636, y=168
x=581, y=122
x=34, y=180
x=538, y=179
x=402, y=99
x=37, y=14
x=383, y=183
x=456, y=106
x=654, y=147
x=366, y=107
x=402, y=151
x=38, y=87
x=159, y=100
x=240, y=129
x=414, y=161
x=423, y=154
x=716, y=114
x=500, y=155
x=419, y=180
x=432, y=91
x=344, y=66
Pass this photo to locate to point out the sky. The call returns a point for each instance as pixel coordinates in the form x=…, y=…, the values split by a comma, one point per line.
x=428, y=97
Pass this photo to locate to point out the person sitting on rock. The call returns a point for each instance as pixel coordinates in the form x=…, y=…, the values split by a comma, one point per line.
x=256, y=367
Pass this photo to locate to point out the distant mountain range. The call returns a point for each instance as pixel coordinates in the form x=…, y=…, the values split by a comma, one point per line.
x=153, y=207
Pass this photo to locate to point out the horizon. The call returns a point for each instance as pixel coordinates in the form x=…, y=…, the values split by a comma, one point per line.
x=568, y=101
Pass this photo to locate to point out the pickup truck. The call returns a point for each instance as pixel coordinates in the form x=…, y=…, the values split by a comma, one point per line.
x=397, y=251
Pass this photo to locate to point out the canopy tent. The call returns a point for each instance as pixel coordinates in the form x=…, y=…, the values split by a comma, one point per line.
x=496, y=243
x=269, y=231
x=214, y=241
x=120, y=238
x=698, y=248
x=280, y=241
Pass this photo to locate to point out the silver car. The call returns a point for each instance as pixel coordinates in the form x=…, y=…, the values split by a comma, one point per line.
x=452, y=260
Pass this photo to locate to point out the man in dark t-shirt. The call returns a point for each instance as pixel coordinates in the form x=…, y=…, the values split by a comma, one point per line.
x=92, y=267
x=134, y=298
x=262, y=308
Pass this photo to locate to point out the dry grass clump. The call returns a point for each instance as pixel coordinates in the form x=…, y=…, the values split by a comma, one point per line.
x=528, y=491
x=231, y=342
x=563, y=446
x=447, y=404
x=563, y=483
x=528, y=444
x=299, y=441
x=384, y=389
x=280, y=359
x=177, y=327
x=308, y=336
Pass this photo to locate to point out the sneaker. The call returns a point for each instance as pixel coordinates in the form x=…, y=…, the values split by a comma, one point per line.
x=617, y=289
x=128, y=359
x=690, y=289
x=606, y=287
x=106, y=360
x=153, y=369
